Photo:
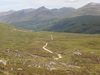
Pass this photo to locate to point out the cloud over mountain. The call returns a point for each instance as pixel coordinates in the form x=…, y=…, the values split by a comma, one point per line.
x=6, y=5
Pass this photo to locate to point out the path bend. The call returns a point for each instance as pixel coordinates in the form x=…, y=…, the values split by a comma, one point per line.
x=44, y=47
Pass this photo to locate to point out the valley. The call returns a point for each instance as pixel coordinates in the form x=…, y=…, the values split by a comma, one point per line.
x=43, y=41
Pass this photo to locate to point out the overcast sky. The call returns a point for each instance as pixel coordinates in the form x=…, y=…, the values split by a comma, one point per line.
x=6, y=5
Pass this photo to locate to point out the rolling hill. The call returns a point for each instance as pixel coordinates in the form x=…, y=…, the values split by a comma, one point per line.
x=23, y=52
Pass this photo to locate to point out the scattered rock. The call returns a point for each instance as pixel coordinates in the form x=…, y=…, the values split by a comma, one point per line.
x=4, y=62
x=77, y=53
x=92, y=52
x=52, y=63
x=18, y=55
x=73, y=66
x=37, y=41
x=24, y=62
x=20, y=69
x=11, y=69
x=29, y=65
x=8, y=50
x=16, y=50
x=52, y=68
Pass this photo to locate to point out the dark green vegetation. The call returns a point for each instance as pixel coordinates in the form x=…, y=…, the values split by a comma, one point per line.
x=23, y=54
x=80, y=24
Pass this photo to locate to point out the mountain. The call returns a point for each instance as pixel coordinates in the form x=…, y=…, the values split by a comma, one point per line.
x=35, y=19
x=83, y=20
x=92, y=9
x=23, y=52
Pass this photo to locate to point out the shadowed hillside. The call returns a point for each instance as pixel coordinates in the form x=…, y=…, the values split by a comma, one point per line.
x=80, y=24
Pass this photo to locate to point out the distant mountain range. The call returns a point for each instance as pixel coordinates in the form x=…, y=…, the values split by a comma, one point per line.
x=83, y=20
x=34, y=19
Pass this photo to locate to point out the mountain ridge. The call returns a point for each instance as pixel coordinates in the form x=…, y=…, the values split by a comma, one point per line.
x=42, y=18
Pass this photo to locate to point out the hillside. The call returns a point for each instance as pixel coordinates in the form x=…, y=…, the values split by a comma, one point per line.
x=80, y=24
x=11, y=33
x=24, y=52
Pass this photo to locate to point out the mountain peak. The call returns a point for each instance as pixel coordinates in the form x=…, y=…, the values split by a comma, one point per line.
x=93, y=4
x=11, y=11
x=42, y=7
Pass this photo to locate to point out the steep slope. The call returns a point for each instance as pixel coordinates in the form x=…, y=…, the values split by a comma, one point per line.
x=81, y=24
x=35, y=19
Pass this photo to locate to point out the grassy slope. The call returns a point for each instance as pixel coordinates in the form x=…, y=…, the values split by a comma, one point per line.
x=18, y=46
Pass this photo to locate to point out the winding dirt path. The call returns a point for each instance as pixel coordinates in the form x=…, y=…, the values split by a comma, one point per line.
x=51, y=37
x=44, y=47
x=59, y=57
